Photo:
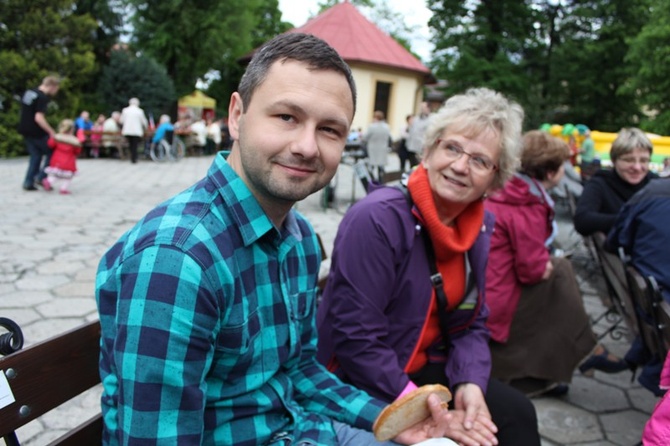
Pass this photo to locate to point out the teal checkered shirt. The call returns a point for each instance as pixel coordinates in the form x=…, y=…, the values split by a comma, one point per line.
x=208, y=327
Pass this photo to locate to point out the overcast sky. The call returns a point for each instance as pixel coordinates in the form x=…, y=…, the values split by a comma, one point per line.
x=414, y=13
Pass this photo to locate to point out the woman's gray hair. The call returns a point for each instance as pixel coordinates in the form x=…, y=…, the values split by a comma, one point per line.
x=474, y=112
x=627, y=140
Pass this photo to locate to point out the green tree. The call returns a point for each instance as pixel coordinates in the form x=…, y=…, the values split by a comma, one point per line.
x=266, y=24
x=563, y=61
x=589, y=67
x=129, y=76
x=649, y=56
x=109, y=20
x=38, y=38
x=482, y=43
x=192, y=37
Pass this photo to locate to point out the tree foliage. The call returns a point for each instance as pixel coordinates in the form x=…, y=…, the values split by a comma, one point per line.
x=481, y=43
x=598, y=62
x=267, y=24
x=192, y=37
x=108, y=15
x=38, y=38
x=129, y=76
x=589, y=68
x=44, y=37
x=649, y=53
x=563, y=60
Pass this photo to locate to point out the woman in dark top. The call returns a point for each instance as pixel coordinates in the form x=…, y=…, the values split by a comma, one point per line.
x=607, y=191
x=603, y=197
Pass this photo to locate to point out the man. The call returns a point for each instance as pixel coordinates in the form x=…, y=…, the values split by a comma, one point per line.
x=36, y=130
x=134, y=124
x=377, y=143
x=83, y=122
x=213, y=136
x=417, y=130
x=110, y=137
x=641, y=228
x=207, y=305
x=199, y=136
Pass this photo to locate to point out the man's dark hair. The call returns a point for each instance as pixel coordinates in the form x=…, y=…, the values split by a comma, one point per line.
x=306, y=48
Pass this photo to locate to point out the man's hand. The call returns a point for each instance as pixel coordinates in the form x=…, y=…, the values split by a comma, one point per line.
x=450, y=424
x=41, y=120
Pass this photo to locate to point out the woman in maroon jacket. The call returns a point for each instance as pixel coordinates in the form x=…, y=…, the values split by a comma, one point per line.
x=539, y=328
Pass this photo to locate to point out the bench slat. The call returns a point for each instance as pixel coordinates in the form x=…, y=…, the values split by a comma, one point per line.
x=89, y=433
x=50, y=373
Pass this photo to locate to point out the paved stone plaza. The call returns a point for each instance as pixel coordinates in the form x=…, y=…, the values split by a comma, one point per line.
x=50, y=245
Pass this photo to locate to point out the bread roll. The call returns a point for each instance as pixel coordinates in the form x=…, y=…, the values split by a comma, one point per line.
x=407, y=411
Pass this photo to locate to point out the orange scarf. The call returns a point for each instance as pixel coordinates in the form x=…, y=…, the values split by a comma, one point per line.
x=449, y=242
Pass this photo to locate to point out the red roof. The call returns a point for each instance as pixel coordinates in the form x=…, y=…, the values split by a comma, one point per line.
x=355, y=38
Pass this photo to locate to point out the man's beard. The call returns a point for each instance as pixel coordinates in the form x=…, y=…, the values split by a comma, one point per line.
x=273, y=184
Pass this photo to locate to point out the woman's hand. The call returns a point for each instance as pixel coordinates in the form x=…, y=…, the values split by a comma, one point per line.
x=469, y=398
x=482, y=432
x=548, y=270
x=450, y=424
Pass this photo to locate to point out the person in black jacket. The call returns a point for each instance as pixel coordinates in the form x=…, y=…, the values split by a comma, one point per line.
x=607, y=191
x=36, y=130
x=641, y=229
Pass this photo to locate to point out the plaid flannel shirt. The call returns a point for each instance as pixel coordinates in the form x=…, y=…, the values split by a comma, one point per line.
x=208, y=327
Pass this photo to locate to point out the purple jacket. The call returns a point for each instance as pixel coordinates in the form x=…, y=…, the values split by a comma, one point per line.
x=377, y=299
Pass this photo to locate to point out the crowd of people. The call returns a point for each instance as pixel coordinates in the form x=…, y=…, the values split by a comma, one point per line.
x=211, y=331
x=129, y=128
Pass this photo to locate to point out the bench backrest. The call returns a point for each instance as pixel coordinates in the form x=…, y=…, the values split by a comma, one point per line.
x=614, y=274
x=45, y=375
x=645, y=299
x=661, y=309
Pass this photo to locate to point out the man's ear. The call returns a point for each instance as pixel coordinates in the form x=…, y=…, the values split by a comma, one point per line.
x=235, y=112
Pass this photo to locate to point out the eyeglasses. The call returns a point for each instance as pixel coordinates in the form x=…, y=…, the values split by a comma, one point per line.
x=633, y=160
x=479, y=163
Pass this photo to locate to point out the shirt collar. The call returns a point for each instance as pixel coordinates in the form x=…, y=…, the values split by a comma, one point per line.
x=250, y=217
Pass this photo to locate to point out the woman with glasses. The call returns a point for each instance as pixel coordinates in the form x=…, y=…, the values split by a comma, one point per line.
x=404, y=304
x=603, y=197
x=539, y=328
x=607, y=191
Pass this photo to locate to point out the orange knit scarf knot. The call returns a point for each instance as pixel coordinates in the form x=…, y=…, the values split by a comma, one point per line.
x=450, y=243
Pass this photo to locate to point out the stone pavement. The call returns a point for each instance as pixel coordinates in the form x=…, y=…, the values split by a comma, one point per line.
x=50, y=245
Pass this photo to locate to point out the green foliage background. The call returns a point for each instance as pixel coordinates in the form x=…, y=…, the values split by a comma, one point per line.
x=603, y=63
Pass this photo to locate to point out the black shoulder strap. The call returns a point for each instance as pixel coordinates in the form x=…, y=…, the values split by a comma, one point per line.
x=436, y=279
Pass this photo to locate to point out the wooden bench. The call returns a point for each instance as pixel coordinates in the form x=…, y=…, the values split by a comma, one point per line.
x=45, y=375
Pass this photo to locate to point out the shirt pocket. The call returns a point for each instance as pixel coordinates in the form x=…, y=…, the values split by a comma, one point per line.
x=302, y=304
x=239, y=339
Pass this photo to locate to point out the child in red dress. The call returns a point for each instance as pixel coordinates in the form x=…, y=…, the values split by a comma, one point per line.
x=66, y=147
